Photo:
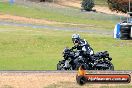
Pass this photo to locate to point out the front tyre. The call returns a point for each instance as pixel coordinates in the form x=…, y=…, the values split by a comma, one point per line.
x=60, y=65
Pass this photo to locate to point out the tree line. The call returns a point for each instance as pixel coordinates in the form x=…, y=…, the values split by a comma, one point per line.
x=114, y=5
x=120, y=5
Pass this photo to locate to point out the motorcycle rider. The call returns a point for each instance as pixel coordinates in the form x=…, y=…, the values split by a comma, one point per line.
x=82, y=46
x=86, y=57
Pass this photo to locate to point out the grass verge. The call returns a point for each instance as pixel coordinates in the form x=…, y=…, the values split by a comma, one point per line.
x=25, y=48
x=66, y=15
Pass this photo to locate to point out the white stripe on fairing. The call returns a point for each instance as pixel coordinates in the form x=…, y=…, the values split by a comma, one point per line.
x=85, y=41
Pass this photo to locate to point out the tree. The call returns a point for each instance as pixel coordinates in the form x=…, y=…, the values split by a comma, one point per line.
x=87, y=5
x=119, y=5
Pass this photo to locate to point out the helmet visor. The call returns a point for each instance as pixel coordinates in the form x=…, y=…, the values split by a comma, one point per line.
x=75, y=41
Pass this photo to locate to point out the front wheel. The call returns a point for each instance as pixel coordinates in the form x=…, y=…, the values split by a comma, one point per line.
x=60, y=65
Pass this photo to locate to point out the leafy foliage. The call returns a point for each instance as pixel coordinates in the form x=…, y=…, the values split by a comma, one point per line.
x=87, y=5
x=119, y=5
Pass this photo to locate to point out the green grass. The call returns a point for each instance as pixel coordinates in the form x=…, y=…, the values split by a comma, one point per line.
x=68, y=15
x=24, y=48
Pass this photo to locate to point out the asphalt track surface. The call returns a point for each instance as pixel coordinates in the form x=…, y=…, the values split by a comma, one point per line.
x=62, y=71
x=104, y=32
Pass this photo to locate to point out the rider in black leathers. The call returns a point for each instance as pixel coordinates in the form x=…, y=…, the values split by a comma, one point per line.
x=82, y=46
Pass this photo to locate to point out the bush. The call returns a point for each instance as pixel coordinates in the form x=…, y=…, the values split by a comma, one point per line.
x=119, y=5
x=87, y=5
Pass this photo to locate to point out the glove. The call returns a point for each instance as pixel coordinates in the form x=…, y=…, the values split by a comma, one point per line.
x=74, y=47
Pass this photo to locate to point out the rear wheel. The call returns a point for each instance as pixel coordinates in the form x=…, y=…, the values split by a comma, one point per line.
x=107, y=65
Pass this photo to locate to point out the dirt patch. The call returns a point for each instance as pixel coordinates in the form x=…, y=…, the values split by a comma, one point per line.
x=33, y=80
x=10, y=18
x=107, y=11
x=45, y=80
x=24, y=19
x=71, y=3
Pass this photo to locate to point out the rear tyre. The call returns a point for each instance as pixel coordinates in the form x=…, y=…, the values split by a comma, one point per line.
x=108, y=64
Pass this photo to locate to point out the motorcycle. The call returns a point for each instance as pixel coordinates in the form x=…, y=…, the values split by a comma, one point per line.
x=72, y=61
